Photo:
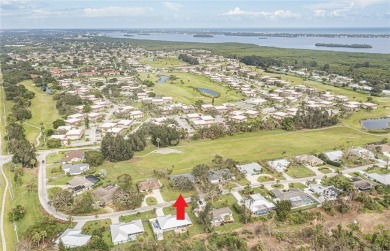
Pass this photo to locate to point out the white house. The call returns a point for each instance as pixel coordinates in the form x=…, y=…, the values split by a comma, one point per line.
x=136, y=114
x=74, y=134
x=279, y=165
x=124, y=232
x=73, y=238
x=250, y=169
x=258, y=205
x=169, y=222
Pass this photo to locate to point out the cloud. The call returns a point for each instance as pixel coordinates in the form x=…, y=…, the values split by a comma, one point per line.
x=278, y=14
x=114, y=11
x=172, y=6
x=341, y=8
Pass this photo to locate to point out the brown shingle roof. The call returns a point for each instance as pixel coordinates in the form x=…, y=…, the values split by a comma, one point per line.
x=150, y=184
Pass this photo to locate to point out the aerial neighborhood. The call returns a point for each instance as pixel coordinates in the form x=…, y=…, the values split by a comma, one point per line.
x=122, y=131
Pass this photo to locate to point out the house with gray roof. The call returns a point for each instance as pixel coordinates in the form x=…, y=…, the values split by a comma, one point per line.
x=297, y=197
x=219, y=175
x=361, y=152
x=75, y=169
x=222, y=216
x=334, y=155
x=73, y=238
x=124, y=232
x=325, y=192
x=189, y=176
x=383, y=179
x=250, y=169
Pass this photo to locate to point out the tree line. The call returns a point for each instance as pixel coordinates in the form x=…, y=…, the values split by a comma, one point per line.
x=189, y=59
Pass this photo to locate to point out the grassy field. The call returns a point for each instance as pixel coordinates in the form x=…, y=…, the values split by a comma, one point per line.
x=163, y=62
x=150, y=201
x=182, y=89
x=264, y=145
x=297, y=185
x=138, y=216
x=90, y=226
x=264, y=179
x=25, y=198
x=43, y=109
x=324, y=170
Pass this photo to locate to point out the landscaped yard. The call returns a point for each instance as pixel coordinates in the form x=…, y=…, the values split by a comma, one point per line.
x=299, y=171
x=90, y=226
x=378, y=170
x=324, y=170
x=224, y=201
x=170, y=194
x=297, y=185
x=183, y=89
x=150, y=201
x=264, y=179
x=138, y=216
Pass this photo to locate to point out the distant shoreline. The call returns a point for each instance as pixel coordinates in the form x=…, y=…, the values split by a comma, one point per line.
x=344, y=45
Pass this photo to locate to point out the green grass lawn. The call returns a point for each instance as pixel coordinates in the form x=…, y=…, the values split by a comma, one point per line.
x=169, y=193
x=225, y=200
x=324, y=170
x=277, y=186
x=264, y=179
x=184, y=91
x=52, y=157
x=27, y=199
x=150, y=201
x=299, y=171
x=163, y=62
x=378, y=170
x=251, y=147
x=297, y=185
x=90, y=226
x=43, y=109
x=138, y=216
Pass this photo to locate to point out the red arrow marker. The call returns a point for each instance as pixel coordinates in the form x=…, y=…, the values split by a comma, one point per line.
x=180, y=205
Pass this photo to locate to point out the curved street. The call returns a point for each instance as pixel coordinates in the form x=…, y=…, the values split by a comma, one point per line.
x=44, y=198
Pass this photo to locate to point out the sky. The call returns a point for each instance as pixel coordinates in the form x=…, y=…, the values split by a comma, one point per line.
x=73, y=14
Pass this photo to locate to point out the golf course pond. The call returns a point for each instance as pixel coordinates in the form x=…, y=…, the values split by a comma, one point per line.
x=208, y=92
x=376, y=124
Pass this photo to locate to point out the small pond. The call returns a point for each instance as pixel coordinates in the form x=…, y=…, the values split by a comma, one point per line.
x=208, y=92
x=163, y=79
x=376, y=124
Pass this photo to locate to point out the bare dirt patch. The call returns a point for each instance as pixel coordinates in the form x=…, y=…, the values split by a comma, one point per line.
x=167, y=151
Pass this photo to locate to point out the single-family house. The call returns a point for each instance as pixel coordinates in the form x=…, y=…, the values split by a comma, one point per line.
x=361, y=152
x=325, y=192
x=79, y=184
x=361, y=184
x=124, y=232
x=219, y=175
x=136, y=114
x=74, y=134
x=295, y=196
x=75, y=169
x=279, y=165
x=368, y=105
x=258, y=205
x=149, y=184
x=105, y=193
x=238, y=118
x=73, y=238
x=309, y=159
x=250, y=169
x=62, y=138
x=383, y=179
x=169, y=222
x=222, y=216
x=334, y=155
x=72, y=156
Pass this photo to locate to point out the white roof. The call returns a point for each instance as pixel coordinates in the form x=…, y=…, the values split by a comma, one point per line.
x=136, y=112
x=60, y=137
x=381, y=178
x=258, y=203
x=73, y=238
x=279, y=165
x=169, y=221
x=107, y=125
x=66, y=128
x=74, y=132
x=238, y=117
x=121, y=231
x=206, y=117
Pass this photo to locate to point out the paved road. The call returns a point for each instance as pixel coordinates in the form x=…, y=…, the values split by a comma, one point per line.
x=43, y=195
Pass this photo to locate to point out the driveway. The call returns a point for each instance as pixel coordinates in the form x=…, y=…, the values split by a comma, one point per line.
x=238, y=197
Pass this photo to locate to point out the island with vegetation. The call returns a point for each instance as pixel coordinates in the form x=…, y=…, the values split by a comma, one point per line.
x=203, y=35
x=344, y=45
